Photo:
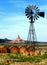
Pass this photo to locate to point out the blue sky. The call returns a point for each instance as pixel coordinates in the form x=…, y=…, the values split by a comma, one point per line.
x=13, y=21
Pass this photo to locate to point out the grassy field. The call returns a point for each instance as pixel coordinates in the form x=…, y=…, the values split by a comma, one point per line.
x=10, y=58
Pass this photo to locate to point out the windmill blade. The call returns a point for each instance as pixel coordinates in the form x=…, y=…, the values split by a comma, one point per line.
x=27, y=9
x=34, y=19
x=41, y=14
x=37, y=16
x=26, y=12
x=38, y=10
x=28, y=16
x=36, y=7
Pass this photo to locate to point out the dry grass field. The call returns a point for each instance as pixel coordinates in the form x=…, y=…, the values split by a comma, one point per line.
x=37, y=57
x=19, y=59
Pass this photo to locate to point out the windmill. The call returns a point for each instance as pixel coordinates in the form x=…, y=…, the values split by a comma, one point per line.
x=32, y=12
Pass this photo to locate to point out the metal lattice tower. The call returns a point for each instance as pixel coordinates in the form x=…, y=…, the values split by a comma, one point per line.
x=31, y=35
x=32, y=12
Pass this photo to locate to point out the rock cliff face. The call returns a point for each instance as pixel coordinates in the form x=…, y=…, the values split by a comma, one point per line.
x=17, y=40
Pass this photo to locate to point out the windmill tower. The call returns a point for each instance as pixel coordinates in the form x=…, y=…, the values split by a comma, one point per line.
x=32, y=12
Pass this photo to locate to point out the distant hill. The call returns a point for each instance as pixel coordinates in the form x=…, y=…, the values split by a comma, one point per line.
x=4, y=40
x=18, y=41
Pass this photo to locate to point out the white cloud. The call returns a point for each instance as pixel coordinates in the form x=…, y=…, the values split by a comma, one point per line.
x=17, y=25
x=41, y=31
x=13, y=20
x=13, y=31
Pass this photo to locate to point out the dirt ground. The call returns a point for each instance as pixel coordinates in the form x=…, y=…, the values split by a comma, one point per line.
x=44, y=62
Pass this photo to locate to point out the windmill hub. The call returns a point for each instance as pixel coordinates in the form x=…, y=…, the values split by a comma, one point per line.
x=31, y=12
